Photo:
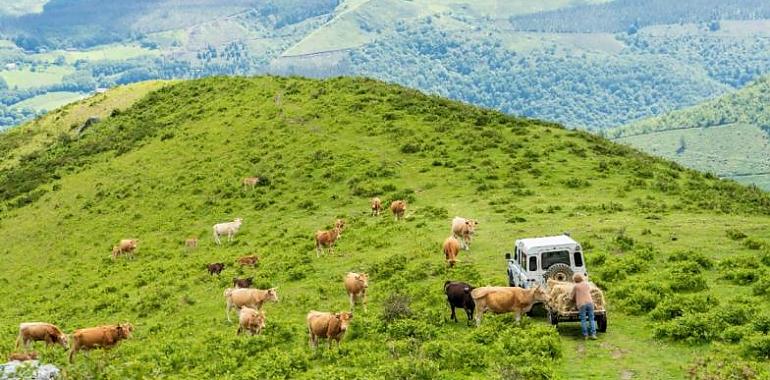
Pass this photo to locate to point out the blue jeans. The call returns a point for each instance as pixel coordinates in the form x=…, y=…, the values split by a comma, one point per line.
x=587, y=310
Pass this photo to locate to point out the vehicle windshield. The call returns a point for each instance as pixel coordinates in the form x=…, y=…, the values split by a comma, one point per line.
x=555, y=257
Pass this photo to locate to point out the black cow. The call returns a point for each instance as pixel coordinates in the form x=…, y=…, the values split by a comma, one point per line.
x=215, y=268
x=458, y=294
x=243, y=282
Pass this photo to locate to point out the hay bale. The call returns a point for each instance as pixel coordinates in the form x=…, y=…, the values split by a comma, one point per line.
x=560, y=300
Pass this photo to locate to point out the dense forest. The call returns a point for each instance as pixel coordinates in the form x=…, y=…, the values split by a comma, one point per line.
x=630, y=15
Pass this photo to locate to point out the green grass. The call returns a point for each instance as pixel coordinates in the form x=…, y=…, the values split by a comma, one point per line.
x=727, y=136
x=170, y=166
x=103, y=52
x=25, y=78
x=49, y=101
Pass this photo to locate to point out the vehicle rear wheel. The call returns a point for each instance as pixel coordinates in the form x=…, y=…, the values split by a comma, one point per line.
x=553, y=318
x=559, y=272
x=601, y=323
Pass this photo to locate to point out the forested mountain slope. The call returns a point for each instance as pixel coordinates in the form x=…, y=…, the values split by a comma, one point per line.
x=728, y=136
x=682, y=255
x=588, y=64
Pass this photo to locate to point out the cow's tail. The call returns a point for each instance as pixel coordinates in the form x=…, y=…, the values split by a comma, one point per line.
x=480, y=292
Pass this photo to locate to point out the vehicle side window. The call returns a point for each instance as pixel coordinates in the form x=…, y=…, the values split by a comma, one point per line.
x=533, y=263
x=578, y=259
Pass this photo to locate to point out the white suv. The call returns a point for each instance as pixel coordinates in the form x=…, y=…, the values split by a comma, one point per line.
x=535, y=260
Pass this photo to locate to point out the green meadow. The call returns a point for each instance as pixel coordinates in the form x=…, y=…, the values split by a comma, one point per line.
x=681, y=255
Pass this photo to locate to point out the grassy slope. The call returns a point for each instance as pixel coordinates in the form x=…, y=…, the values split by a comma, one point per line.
x=49, y=101
x=721, y=135
x=326, y=147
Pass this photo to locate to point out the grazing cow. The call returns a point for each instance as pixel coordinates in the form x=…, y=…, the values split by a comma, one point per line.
x=464, y=229
x=250, y=261
x=125, y=247
x=229, y=229
x=503, y=299
x=356, y=285
x=22, y=356
x=253, y=298
x=251, y=320
x=331, y=326
x=376, y=206
x=398, y=208
x=458, y=294
x=326, y=239
x=40, y=331
x=215, y=268
x=101, y=336
x=250, y=182
x=191, y=243
x=451, y=249
x=243, y=282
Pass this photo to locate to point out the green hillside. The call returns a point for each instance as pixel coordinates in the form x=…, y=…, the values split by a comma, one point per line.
x=681, y=254
x=728, y=136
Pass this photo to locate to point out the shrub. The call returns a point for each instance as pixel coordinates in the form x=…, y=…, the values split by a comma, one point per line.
x=691, y=328
x=742, y=276
x=698, y=258
x=757, y=346
x=735, y=234
x=726, y=366
x=678, y=305
x=753, y=244
x=396, y=307
x=411, y=329
x=409, y=368
x=639, y=297
x=761, y=287
x=685, y=276
x=386, y=268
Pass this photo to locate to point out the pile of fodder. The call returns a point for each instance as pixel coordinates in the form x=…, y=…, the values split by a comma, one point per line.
x=559, y=296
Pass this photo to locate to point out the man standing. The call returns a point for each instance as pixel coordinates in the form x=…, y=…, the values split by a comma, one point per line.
x=581, y=292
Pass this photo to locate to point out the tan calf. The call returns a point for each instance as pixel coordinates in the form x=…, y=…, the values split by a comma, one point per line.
x=503, y=299
x=356, y=285
x=376, y=206
x=125, y=247
x=398, y=208
x=451, y=250
x=331, y=326
x=99, y=337
x=464, y=229
x=191, y=243
x=247, y=297
x=326, y=239
x=40, y=331
x=250, y=182
x=249, y=261
x=251, y=320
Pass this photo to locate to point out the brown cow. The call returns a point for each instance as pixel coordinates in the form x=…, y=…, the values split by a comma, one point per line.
x=331, y=326
x=40, y=331
x=451, y=250
x=251, y=320
x=191, y=243
x=356, y=285
x=326, y=239
x=376, y=206
x=101, y=336
x=243, y=282
x=464, y=229
x=250, y=260
x=22, y=356
x=398, y=208
x=253, y=298
x=215, y=268
x=503, y=299
x=250, y=182
x=125, y=247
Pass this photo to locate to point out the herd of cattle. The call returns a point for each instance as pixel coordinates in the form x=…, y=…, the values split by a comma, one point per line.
x=248, y=302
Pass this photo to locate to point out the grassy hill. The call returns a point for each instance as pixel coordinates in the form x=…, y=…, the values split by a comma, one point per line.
x=728, y=136
x=681, y=254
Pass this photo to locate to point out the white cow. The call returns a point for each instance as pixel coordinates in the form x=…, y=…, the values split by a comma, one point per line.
x=229, y=229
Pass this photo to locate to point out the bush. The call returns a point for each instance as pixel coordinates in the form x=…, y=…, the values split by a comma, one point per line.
x=679, y=305
x=396, y=307
x=639, y=297
x=726, y=366
x=757, y=347
x=735, y=234
x=761, y=287
x=698, y=258
x=691, y=328
x=743, y=276
x=685, y=276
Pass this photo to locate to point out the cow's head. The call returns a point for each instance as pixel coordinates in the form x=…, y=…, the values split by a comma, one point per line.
x=363, y=278
x=539, y=294
x=125, y=330
x=272, y=294
x=63, y=340
x=344, y=318
x=238, y=220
